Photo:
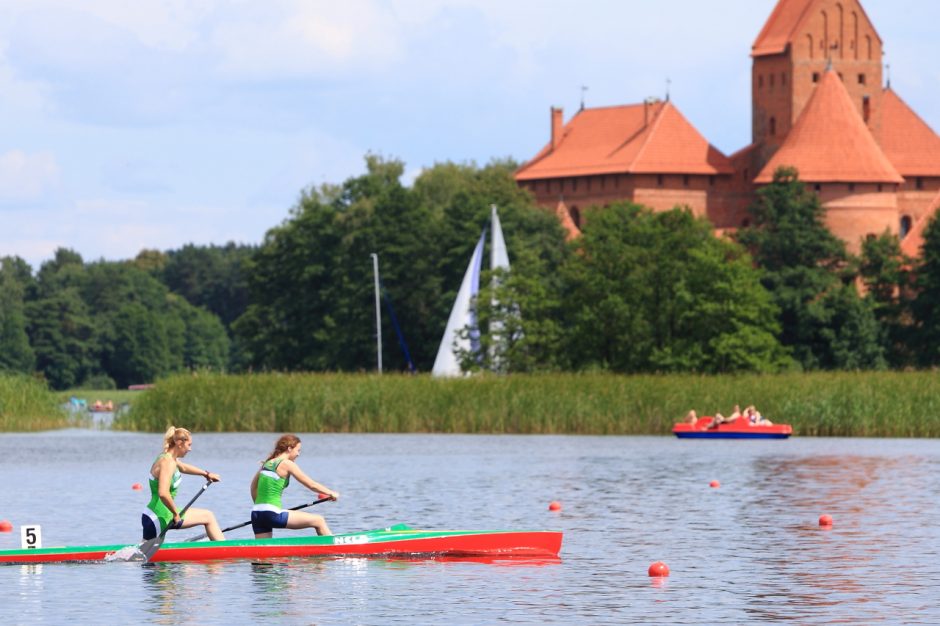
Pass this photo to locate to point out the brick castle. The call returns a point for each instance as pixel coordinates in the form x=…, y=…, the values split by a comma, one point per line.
x=818, y=104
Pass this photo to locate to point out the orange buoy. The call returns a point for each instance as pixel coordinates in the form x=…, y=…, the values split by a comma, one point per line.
x=5, y=526
x=714, y=484
x=554, y=505
x=825, y=520
x=659, y=569
x=137, y=486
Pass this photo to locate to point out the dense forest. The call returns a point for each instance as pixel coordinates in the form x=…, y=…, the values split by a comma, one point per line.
x=638, y=292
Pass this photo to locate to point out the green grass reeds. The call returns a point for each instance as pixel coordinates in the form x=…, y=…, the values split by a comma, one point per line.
x=26, y=404
x=872, y=404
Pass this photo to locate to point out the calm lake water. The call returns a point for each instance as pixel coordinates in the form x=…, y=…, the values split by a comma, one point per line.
x=749, y=551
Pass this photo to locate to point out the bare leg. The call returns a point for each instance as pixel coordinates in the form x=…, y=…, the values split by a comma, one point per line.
x=299, y=519
x=203, y=517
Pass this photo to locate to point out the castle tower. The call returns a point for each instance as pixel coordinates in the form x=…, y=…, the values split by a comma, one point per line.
x=799, y=41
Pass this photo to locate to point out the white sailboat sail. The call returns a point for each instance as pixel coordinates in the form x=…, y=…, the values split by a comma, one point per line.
x=499, y=258
x=461, y=316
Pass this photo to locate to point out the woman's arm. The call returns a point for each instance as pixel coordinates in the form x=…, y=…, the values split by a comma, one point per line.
x=294, y=470
x=186, y=468
x=165, y=474
x=254, y=486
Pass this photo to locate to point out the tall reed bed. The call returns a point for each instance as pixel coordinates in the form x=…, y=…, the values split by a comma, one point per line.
x=876, y=404
x=26, y=404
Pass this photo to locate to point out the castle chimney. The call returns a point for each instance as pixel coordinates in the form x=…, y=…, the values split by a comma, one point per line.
x=557, y=125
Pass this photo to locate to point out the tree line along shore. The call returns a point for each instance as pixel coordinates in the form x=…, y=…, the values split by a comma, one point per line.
x=866, y=404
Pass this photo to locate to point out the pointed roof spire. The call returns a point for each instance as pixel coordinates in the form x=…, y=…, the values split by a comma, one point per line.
x=831, y=143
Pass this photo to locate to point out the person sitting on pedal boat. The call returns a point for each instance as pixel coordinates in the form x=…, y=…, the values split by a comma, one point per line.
x=165, y=477
x=271, y=480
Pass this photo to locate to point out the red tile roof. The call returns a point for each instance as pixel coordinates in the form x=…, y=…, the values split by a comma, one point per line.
x=914, y=241
x=908, y=142
x=830, y=142
x=652, y=138
x=781, y=27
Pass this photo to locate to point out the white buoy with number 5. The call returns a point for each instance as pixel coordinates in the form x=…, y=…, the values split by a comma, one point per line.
x=30, y=536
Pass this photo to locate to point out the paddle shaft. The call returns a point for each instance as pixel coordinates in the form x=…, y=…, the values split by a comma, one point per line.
x=243, y=524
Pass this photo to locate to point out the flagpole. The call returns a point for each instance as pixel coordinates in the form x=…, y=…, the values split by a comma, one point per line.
x=378, y=310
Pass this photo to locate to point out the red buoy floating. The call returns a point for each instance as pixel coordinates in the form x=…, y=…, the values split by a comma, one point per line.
x=714, y=484
x=659, y=569
x=5, y=526
x=554, y=505
x=137, y=486
x=825, y=520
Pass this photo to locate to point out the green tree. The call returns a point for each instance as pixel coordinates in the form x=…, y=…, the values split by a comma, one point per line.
x=886, y=274
x=806, y=268
x=658, y=292
x=212, y=277
x=15, y=352
x=926, y=303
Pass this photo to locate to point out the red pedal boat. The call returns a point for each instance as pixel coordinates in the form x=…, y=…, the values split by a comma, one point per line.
x=741, y=428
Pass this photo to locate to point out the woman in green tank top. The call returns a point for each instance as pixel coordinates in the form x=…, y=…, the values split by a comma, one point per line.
x=165, y=477
x=271, y=479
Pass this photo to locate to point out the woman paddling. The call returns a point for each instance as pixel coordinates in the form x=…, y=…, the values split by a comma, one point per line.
x=270, y=480
x=165, y=477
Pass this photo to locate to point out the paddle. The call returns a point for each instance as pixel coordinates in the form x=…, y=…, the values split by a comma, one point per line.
x=293, y=508
x=150, y=547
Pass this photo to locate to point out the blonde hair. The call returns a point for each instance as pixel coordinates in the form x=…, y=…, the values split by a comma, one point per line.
x=174, y=435
x=285, y=442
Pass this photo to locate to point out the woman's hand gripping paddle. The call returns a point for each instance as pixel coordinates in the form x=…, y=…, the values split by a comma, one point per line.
x=293, y=508
x=148, y=548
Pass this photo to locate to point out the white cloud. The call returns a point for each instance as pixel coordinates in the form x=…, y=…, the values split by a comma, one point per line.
x=26, y=177
x=286, y=38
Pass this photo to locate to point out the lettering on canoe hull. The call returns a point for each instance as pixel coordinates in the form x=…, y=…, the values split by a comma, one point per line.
x=350, y=539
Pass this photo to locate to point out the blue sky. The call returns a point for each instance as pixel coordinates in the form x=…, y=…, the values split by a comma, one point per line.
x=156, y=123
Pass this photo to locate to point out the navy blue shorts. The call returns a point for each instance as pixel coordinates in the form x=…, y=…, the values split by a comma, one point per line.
x=267, y=521
x=150, y=531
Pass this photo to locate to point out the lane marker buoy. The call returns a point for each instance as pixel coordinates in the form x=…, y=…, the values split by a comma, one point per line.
x=6, y=526
x=714, y=484
x=659, y=569
x=825, y=520
x=137, y=486
x=554, y=505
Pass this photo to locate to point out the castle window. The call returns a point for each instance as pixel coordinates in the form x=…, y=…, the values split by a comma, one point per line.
x=783, y=78
x=745, y=222
x=919, y=182
x=760, y=81
x=659, y=180
x=685, y=180
x=603, y=181
x=809, y=45
x=746, y=177
x=866, y=108
x=771, y=81
x=905, y=226
x=879, y=187
x=861, y=79
x=588, y=181
x=574, y=184
x=817, y=187
x=851, y=186
x=773, y=126
x=815, y=77
x=711, y=181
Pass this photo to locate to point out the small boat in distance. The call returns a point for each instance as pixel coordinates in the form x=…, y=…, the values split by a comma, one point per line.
x=741, y=428
x=398, y=541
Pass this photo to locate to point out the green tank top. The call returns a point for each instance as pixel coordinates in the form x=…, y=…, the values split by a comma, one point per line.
x=270, y=485
x=156, y=504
